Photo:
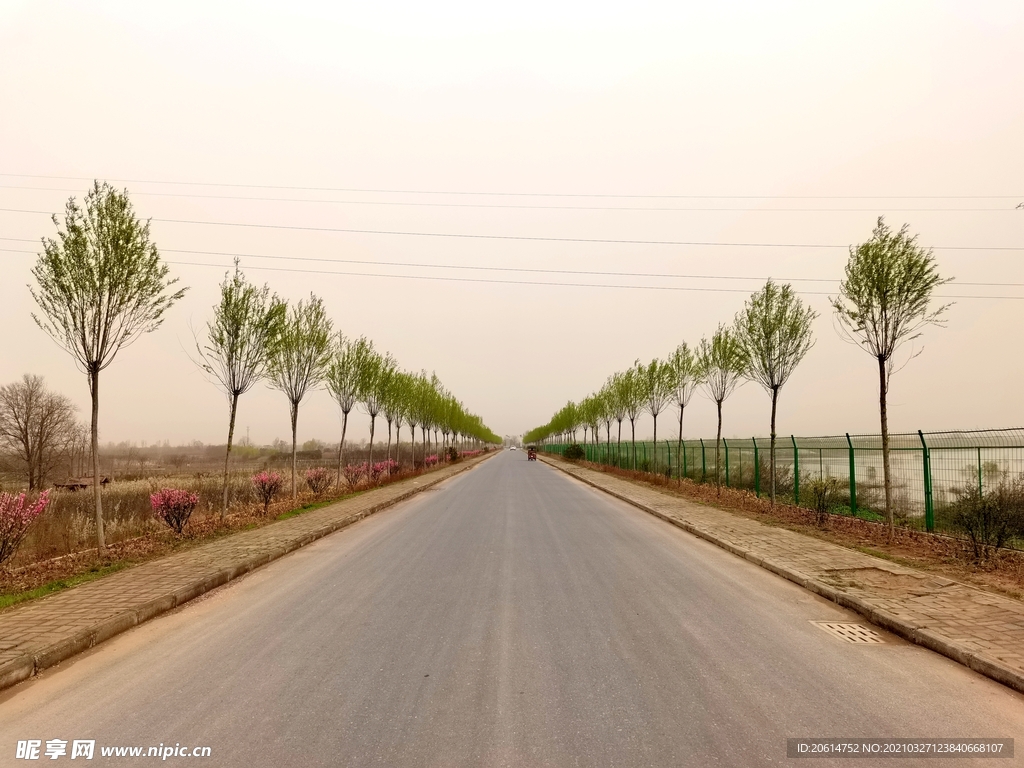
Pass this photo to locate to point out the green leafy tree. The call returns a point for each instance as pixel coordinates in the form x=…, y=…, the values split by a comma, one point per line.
x=634, y=397
x=343, y=380
x=885, y=300
x=722, y=362
x=774, y=328
x=246, y=326
x=658, y=387
x=100, y=285
x=300, y=361
x=685, y=380
x=374, y=383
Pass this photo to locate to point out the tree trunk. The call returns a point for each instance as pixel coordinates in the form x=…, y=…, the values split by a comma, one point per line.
x=412, y=445
x=771, y=450
x=295, y=424
x=654, y=464
x=718, y=442
x=369, y=460
x=632, y=427
x=398, y=443
x=679, y=448
x=389, y=446
x=618, y=446
x=341, y=448
x=883, y=386
x=227, y=453
x=94, y=391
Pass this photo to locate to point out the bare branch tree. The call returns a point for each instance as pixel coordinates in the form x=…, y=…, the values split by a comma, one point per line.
x=884, y=302
x=775, y=331
x=100, y=285
x=38, y=426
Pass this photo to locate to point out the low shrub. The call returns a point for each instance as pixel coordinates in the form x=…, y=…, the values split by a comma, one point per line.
x=451, y=454
x=174, y=507
x=826, y=495
x=266, y=486
x=319, y=480
x=575, y=452
x=992, y=519
x=16, y=517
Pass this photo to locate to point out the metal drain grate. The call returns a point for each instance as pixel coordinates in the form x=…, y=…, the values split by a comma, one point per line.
x=851, y=633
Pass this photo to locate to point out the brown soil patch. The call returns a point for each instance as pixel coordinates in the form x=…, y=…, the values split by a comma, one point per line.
x=938, y=555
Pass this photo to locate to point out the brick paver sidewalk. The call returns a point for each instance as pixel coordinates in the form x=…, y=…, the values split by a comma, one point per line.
x=982, y=630
x=39, y=634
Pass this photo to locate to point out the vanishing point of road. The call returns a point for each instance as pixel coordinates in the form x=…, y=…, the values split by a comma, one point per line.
x=509, y=617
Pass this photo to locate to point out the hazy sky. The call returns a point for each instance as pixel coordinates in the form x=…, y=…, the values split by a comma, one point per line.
x=824, y=115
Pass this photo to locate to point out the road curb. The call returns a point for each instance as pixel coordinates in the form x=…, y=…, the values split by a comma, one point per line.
x=919, y=635
x=20, y=668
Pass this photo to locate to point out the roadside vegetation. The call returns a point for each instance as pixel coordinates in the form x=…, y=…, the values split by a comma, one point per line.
x=100, y=284
x=885, y=302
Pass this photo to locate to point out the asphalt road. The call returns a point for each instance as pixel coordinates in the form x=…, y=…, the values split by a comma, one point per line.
x=511, y=616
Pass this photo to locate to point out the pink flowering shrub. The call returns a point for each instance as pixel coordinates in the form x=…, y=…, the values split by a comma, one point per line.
x=266, y=486
x=354, y=473
x=15, y=519
x=430, y=460
x=319, y=480
x=174, y=507
x=383, y=468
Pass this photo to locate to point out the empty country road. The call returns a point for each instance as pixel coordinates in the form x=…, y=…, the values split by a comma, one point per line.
x=509, y=617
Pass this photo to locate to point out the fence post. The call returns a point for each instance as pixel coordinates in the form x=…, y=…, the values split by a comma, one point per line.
x=703, y=462
x=926, y=459
x=726, y=444
x=757, y=470
x=853, y=477
x=980, y=491
x=796, y=472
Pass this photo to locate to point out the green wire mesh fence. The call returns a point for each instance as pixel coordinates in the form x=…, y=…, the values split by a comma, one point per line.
x=929, y=469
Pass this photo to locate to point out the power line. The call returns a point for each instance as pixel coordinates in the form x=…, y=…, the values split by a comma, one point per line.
x=444, y=279
x=518, y=194
x=532, y=270
x=526, y=238
x=537, y=282
x=507, y=206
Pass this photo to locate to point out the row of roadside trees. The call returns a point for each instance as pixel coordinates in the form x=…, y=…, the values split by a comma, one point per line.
x=885, y=300
x=100, y=284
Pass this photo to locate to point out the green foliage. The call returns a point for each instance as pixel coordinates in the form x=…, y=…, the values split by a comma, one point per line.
x=884, y=300
x=101, y=283
x=575, y=452
x=302, y=355
x=774, y=330
x=721, y=363
x=240, y=340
